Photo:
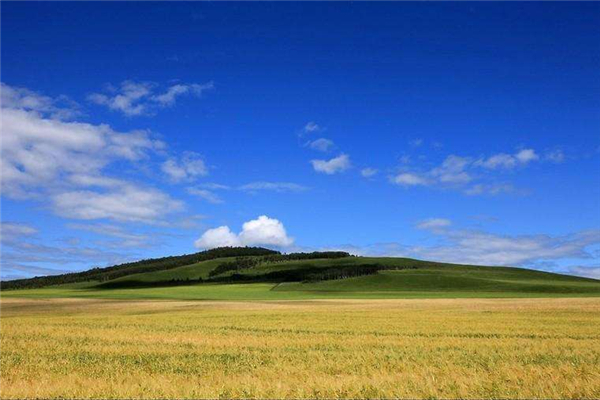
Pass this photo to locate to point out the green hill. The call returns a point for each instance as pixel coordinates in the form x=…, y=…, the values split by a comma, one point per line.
x=256, y=273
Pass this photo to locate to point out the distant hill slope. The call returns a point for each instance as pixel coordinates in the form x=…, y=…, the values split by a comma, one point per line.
x=142, y=266
x=236, y=273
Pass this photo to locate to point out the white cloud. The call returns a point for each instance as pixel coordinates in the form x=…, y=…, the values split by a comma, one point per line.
x=484, y=248
x=333, y=166
x=214, y=186
x=27, y=100
x=188, y=168
x=416, y=142
x=368, y=172
x=463, y=173
x=409, y=179
x=37, y=151
x=508, y=161
x=10, y=231
x=217, y=237
x=273, y=186
x=127, y=99
x=206, y=195
x=589, y=272
x=28, y=256
x=60, y=162
x=125, y=238
x=206, y=190
x=141, y=98
x=263, y=231
x=526, y=155
x=452, y=170
x=311, y=127
x=475, y=247
x=434, y=224
x=321, y=144
x=490, y=189
x=499, y=161
x=168, y=98
x=125, y=203
x=556, y=156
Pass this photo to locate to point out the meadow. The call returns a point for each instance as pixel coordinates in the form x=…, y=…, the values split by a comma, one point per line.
x=416, y=348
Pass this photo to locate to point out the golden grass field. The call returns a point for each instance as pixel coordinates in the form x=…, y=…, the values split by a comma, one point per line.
x=468, y=348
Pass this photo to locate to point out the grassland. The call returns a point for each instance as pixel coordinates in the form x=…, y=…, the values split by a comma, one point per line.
x=449, y=348
x=417, y=279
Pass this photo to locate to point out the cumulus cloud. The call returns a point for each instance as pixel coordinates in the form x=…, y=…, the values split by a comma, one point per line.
x=333, y=166
x=218, y=237
x=321, y=144
x=188, y=168
x=263, y=231
x=368, y=172
x=37, y=151
x=64, y=162
x=142, y=98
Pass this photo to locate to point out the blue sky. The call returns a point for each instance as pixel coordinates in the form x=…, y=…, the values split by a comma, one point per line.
x=461, y=132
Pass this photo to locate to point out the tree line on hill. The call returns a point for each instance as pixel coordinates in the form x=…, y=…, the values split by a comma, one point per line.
x=252, y=262
x=306, y=274
x=148, y=265
x=309, y=273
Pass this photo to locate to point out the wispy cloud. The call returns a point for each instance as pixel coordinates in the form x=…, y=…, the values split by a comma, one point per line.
x=470, y=175
x=416, y=142
x=61, y=108
x=321, y=144
x=368, y=172
x=311, y=127
x=272, y=186
x=187, y=168
x=478, y=247
x=143, y=98
x=25, y=253
x=207, y=191
x=205, y=194
x=434, y=224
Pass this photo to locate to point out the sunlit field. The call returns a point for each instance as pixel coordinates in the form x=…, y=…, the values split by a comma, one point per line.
x=418, y=348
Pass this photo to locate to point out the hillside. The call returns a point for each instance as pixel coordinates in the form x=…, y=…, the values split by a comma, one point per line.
x=257, y=273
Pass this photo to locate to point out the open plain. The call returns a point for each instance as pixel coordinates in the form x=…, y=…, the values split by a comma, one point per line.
x=410, y=348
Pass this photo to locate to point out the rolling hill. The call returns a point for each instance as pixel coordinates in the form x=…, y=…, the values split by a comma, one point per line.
x=258, y=273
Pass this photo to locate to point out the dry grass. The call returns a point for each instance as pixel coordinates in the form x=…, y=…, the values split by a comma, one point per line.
x=470, y=348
